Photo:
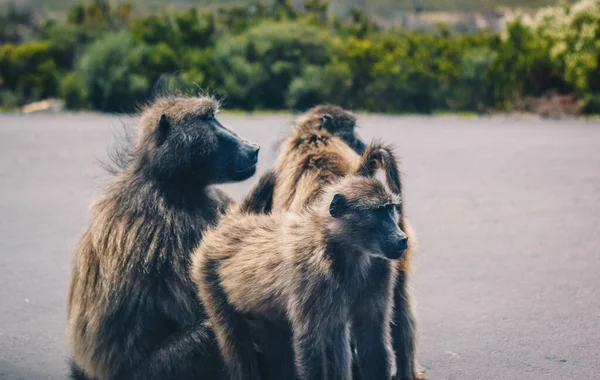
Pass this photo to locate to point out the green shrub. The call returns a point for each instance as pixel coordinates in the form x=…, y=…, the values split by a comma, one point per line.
x=591, y=104
x=279, y=56
x=8, y=100
x=319, y=85
x=359, y=25
x=237, y=18
x=72, y=91
x=101, y=14
x=153, y=61
x=200, y=69
x=195, y=28
x=258, y=66
x=28, y=70
x=522, y=67
x=472, y=91
x=396, y=72
x=154, y=29
x=63, y=42
x=572, y=35
x=108, y=73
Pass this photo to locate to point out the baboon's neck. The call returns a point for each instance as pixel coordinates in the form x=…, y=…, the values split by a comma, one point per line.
x=181, y=191
x=194, y=207
x=348, y=263
x=308, y=228
x=329, y=233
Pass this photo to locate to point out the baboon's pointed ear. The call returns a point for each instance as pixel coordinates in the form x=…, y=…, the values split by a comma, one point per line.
x=163, y=128
x=326, y=122
x=338, y=206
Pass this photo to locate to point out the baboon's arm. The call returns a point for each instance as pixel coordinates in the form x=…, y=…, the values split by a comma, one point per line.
x=275, y=345
x=339, y=355
x=379, y=156
x=230, y=327
x=309, y=352
x=224, y=200
x=260, y=198
x=373, y=343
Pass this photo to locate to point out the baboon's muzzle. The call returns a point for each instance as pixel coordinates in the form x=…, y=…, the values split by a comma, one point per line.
x=396, y=245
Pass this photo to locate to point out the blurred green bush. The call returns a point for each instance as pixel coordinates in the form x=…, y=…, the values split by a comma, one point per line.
x=28, y=71
x=108, y=71
x=279, y=56
x=257, y=67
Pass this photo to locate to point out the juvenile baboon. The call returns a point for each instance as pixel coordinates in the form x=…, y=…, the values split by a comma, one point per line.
x=322, y=148
x=133, y=312
x=318, y=268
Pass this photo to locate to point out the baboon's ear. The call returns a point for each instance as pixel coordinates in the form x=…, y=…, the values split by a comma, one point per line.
x=338, y=206
x=326, y=122
x=162, y=130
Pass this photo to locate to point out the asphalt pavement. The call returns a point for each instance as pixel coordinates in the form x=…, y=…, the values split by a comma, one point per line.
x=507, y=210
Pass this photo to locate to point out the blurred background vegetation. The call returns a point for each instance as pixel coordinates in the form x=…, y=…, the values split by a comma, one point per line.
x=375, y=7
x=380, y=56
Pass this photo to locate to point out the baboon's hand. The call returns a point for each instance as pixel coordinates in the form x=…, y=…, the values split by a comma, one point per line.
x=420, y=375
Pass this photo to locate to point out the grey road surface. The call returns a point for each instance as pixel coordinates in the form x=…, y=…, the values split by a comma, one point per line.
x=507, y=210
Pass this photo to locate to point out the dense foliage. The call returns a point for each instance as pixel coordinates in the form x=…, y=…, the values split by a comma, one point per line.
x=278, y=56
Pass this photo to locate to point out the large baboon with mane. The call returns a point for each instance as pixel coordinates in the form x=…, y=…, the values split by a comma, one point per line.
x=132, y=308
x=322, y=148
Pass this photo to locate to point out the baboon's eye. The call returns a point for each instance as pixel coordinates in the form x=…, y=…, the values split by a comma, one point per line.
x=388, y=210
x=397, y=206
x=382, y=211
x=391, y=208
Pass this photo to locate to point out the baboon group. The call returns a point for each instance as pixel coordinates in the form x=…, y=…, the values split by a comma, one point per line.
x=307, y=277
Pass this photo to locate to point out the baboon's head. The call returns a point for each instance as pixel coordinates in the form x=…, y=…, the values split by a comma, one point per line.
x=365, y=217
x=181, y=140
x=335, y=120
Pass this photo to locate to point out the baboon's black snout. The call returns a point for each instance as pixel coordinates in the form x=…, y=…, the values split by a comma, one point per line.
x=397, y=245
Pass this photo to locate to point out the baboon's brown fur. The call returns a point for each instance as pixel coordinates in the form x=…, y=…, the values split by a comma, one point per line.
x=132, y=308
x=310, y=158
x=314, y=156
x=316, y=268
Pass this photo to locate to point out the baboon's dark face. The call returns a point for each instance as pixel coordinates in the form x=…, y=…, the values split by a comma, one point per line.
x=374, y=230
x=236, y=157
x=203, y=151
x=388, y=239
x=350, y=137
x=345, y=129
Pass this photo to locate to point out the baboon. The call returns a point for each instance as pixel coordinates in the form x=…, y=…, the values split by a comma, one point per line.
x=318, y=268
x=322, y=148
x=133, y=311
